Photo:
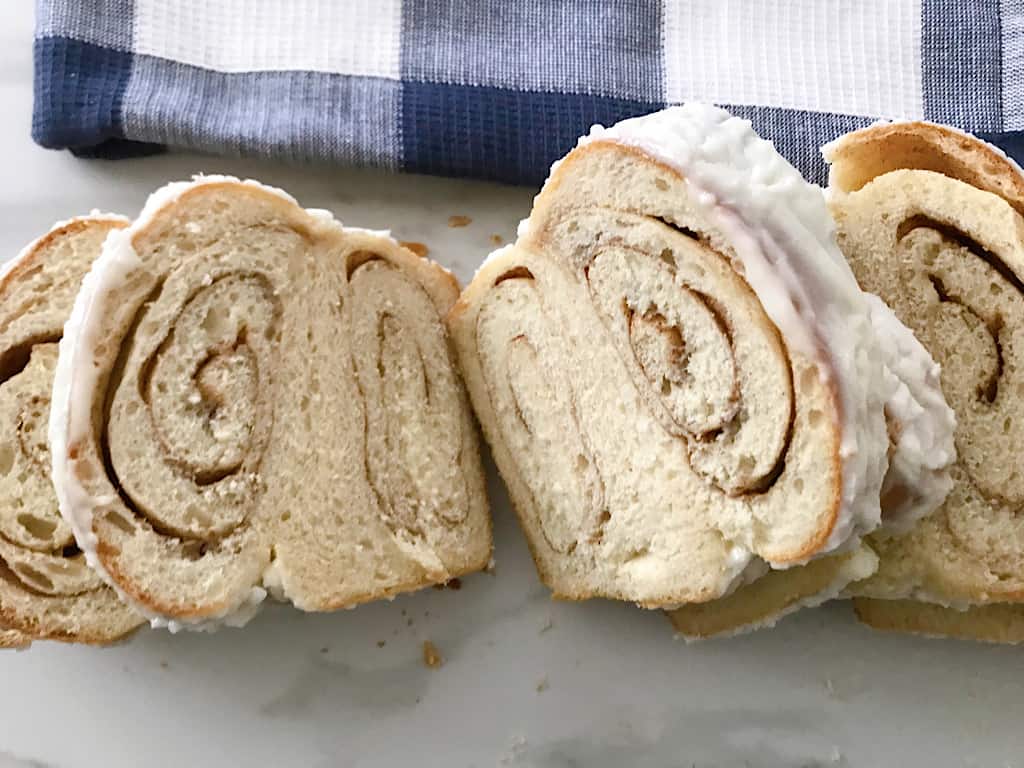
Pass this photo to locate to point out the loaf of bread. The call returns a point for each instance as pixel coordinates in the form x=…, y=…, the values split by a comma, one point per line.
x=46, y=589
x=676, y=371
x=930, y=219
x=251, y=398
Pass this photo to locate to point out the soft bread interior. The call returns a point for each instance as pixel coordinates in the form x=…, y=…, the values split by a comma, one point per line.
x=277, y=406
x=653, y=428
x=931, y=224
x=46, y=589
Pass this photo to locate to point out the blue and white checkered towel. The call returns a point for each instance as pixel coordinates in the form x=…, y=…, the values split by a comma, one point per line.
x=498, y=89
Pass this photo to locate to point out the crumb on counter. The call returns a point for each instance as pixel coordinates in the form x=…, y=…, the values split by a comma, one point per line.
x=455, y=584
x=324, y=649
x=459, y=221
x=420, y=249
x=432, y=657
x=497, y=240
x=542, y=684
x=381, y=643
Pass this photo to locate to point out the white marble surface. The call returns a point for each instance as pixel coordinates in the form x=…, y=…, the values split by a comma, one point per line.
x=526, y=682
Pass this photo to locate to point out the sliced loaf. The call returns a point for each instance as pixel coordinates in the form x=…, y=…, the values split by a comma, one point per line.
x=930, y=219
x=250, y=398
x=675, y=368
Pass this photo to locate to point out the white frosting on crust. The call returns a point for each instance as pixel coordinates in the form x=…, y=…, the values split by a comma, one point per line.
x=783, y=236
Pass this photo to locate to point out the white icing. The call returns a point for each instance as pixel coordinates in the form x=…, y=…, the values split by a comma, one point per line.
x=382, y=233
x=273, y=580
x=783, y=236
x=75, y=377
x=494, y=256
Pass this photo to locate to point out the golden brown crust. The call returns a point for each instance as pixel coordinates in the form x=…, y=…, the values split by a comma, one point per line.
x=35, y=255
x=13, y=639
x=863, y=155
x=29, y=634
x=997, y=623
x=413, y=585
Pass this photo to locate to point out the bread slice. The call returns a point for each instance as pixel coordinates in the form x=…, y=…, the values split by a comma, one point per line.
x=777, y=594
x=675, y=368
x=930, y=219
x=251, y=397
x=918, y=479
x=46, y=589
x=993, y=623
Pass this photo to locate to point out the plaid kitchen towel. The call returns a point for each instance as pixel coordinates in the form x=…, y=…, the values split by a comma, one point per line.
x=498, y=89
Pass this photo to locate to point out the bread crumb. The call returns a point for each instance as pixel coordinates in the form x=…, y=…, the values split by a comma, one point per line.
x=164, y=665
x=324, y=649
x=830, y=687
x=408, y=622
x=459, y=221
x=381, y=643
x=431, y=656
x=492, y=567
x=420, y=249
x=542, y=684
x=497, y=240
x=455, y=584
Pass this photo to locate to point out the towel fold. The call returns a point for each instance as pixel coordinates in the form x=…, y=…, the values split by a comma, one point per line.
x=497, y=90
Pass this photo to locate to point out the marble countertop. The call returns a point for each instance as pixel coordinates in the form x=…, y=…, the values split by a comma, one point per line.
x=525, y=681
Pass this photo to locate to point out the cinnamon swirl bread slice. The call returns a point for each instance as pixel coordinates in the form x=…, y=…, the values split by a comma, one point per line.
x=251, y=397
x=921, y=453
x=931, y=220
x=675, y=368
x=46, y=589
